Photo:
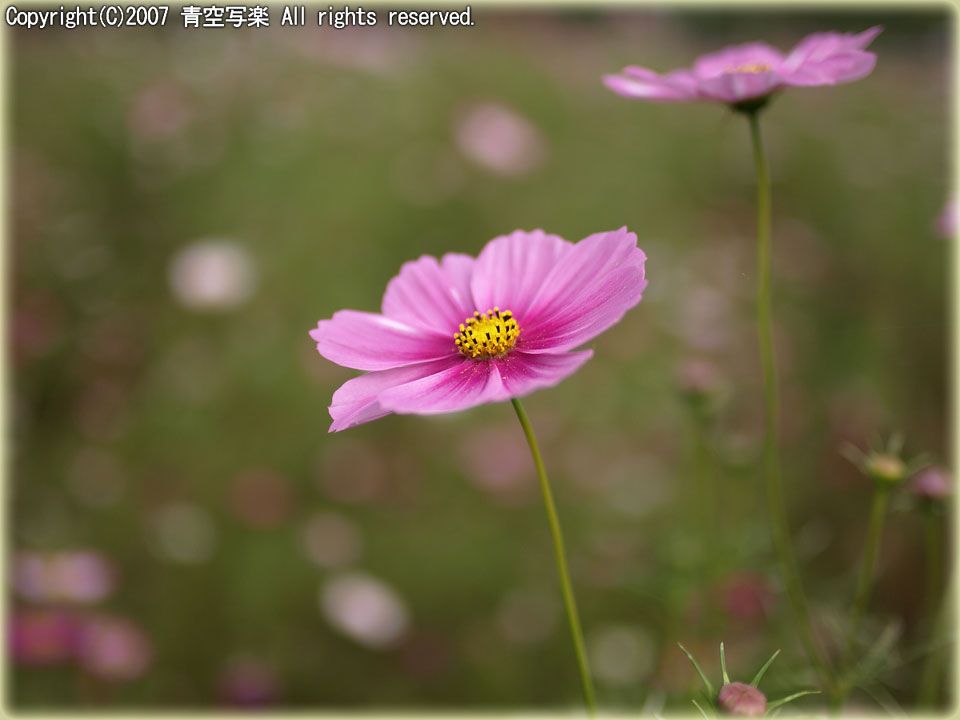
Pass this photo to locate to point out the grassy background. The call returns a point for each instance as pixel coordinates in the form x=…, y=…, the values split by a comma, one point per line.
x=331, y=157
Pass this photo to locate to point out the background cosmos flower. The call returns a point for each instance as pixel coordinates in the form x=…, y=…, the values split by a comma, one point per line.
x=460, y=332
x=754, y=70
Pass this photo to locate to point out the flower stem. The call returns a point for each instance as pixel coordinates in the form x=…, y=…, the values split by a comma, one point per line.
x=878, y=511
x=568, y=599
x=939, y=631
x=771, y=447
x=705, y=496
x=933, y=540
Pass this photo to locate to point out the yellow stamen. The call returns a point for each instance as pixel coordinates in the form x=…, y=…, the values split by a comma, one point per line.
x=750, y=68
x=491, y=334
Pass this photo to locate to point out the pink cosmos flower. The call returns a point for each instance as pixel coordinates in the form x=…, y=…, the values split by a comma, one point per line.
x=462, y=331
x=754, y=70
x=947, y=221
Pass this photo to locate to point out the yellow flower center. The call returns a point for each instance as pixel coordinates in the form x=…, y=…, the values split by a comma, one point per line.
x=489, y=335
x=750, y=68
x=886, y=467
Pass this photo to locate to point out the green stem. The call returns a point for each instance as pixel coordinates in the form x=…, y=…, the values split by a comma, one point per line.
x=868, y=571
x=705, y=496
x=932, y=538
x=930, y=677
x=771, y=447
x=566, y=587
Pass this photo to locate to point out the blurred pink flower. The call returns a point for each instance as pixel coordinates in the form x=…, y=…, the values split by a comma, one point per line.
x=507, y=481
x=159, y=111
x=81, y=576
x=465, y=331
x=499, y=139
x=747, y=596
x=754, y=70
x=43, y=637
x=114, y=648
x=931, y=483
x=947, y=220
x=249, y=682
x=699, y=377
x=38, y=324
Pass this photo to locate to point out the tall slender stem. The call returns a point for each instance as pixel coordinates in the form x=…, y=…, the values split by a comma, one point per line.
x=705, y=496
x=566, y=587
x=868, y=570
x=939, y=620
x=771, y=442
x=933, y=540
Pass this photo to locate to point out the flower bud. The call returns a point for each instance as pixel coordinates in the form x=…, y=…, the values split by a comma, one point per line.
x=885, y=468
x=931, y=484
x=701, y=384
x=741, y=699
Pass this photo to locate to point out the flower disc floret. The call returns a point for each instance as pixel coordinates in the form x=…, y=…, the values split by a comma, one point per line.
x=487, y=335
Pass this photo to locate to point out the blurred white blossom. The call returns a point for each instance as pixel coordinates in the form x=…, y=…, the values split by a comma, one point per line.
x=214, y=274
x=365, y=609
x=620, y=654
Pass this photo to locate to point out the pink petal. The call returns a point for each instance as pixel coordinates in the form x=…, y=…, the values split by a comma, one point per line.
x=859, y=41
x=448, y=385
x=730, y=58
x=841, y=67
x=820, y=46
x=355, y=402
x=588, y=291
x=431, y=294
x=511, y=269
x=462, y=385
x=523, y=373
x=642, y=84
x=367, y=341
x=733, y=87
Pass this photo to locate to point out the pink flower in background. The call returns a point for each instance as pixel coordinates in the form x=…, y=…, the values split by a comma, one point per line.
x=754, y=70
x=747, y=596
x=80, y=576
x=947, y=220
x=931, y=483
x=159, y=111
x=462, y=331
x=43, y=637
x=248, y=682
x=500, y=139
x=114, y=648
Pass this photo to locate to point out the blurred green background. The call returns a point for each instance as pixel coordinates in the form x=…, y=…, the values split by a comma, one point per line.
x=184, y=207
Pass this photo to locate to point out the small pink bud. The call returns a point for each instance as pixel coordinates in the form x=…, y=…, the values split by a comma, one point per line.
x=932, y=483
x=699, y=378
x=741, y=699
